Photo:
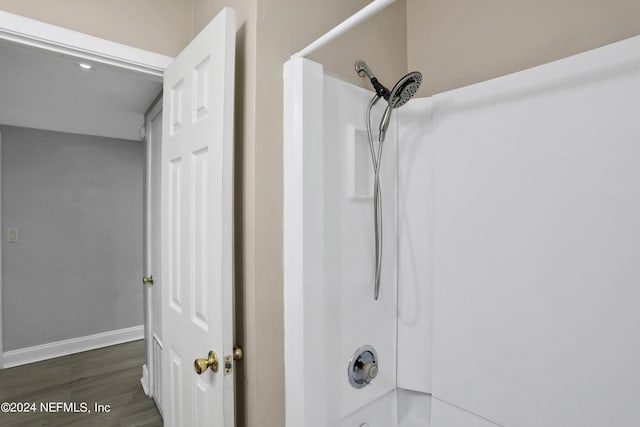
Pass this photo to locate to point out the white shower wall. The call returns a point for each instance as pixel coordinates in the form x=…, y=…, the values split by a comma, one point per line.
x=519, y=246
x=352, y=317
x=415, y=245
x=514, y=209
x=330, y=311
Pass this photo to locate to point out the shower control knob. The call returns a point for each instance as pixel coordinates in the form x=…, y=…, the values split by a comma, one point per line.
x=370, y=370
x=363, y=367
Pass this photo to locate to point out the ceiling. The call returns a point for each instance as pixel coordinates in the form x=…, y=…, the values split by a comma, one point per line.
x=46, y=90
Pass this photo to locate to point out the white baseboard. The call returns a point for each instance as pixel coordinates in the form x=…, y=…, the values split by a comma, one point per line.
x=70, y=346
x=145, y=380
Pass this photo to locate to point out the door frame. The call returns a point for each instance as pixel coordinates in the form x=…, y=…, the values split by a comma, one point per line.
x=1, y=272
x=29, y=32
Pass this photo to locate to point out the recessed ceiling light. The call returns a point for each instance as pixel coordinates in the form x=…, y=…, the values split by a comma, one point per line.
x=85, y=66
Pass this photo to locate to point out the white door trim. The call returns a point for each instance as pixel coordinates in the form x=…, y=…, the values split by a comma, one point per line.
x=30, y=32
x=38, y=34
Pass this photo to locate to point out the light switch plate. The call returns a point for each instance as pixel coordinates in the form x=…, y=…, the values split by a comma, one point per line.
x=12, y=235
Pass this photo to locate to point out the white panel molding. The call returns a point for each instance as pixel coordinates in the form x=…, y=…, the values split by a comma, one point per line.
x=156, y=372
x=34, y=33
x=74, y=345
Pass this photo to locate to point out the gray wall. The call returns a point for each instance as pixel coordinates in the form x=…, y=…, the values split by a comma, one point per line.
x=77, y=268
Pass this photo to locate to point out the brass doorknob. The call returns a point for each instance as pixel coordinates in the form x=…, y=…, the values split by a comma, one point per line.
x=238, y=353
x=201, y=365
x=148, y=280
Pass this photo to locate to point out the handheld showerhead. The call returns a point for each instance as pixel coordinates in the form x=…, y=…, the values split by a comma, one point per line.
x=405, y=89
x=401, y=93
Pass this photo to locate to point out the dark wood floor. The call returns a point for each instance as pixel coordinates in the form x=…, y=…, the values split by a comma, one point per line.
x=108, y=376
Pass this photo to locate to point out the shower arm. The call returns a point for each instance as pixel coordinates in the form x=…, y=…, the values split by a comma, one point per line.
x=363, y=70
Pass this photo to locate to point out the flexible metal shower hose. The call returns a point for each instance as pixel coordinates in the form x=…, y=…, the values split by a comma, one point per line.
x=376, y=157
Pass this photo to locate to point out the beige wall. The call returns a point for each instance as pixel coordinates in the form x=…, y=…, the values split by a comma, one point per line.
x=162, y=26
x=458, y=42
x=380, y=42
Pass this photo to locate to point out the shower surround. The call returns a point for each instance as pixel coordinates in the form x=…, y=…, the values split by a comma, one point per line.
x=509, y=285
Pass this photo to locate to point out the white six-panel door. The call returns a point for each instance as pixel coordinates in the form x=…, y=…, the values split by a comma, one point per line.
x=197, y=225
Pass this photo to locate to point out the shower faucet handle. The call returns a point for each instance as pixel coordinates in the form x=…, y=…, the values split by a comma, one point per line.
x=363, y=367
x=370, y=370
